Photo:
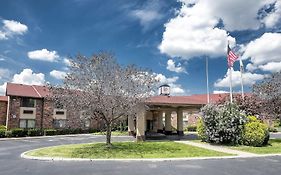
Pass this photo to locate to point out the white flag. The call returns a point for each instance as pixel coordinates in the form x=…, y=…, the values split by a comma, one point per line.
x=241, y=66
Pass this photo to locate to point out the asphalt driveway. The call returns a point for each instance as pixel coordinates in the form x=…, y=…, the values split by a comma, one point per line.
x=12, y=164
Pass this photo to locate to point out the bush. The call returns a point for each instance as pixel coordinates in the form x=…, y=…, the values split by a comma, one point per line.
x=8, y=134
x=223, y=124
x=18, y=132
x=191, y=128
x=2, y=133
x=2, y=127
x=50, y=132
x=201, y=130
x=34, y=132
x=255, y=134
x=271, y=129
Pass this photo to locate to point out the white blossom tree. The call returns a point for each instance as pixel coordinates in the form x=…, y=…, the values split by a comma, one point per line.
x=103, y=89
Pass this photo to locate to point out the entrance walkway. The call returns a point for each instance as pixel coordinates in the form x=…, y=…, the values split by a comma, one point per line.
x=219, y=148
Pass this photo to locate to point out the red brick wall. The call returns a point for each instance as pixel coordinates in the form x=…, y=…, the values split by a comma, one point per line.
x=48, y=114
x=3, y=112
x=14, y=112
x=72, y=119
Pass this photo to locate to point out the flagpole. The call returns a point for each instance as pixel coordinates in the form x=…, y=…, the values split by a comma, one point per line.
x=230, y=84
x=241, y=75
x=207, y=77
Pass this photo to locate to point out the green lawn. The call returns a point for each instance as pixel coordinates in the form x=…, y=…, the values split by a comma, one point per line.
x=113, y=133
x=274, y=147
x=126, y=150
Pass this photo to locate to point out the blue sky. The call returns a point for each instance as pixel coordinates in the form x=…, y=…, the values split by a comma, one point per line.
x=172, y=38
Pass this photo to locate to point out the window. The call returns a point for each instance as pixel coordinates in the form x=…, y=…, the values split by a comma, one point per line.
x=24, y=123
x=28, y=111
x=59, y=112
x=87, y=123
x=59, y=123
x=28, y=102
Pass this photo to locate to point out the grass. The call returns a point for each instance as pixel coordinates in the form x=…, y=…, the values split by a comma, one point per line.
x=274, y=147
x=126, y=150
x=113, y=133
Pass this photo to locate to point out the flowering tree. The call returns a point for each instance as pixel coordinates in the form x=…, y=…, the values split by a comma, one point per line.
x=251, y=104
x=103, y=89
x=269, y=91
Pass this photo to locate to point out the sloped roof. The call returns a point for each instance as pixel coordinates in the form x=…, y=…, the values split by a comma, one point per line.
x=198, y=99
x=3, y=98
x=22, y=90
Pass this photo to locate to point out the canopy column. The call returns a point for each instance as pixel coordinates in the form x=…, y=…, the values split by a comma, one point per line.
x=131, y=126
x=168, y=126
x=140, y=136
x=180, y=122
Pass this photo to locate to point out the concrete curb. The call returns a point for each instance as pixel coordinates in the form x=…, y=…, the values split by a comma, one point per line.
x=23, y=155
x=55, y=136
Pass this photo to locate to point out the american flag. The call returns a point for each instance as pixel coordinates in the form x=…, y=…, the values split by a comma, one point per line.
x=231, y=57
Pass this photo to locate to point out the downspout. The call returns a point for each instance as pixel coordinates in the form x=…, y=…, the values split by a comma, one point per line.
x=8, y=111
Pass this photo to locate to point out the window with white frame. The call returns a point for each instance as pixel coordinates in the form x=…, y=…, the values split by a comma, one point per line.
x=59, y=123
x=27, y=123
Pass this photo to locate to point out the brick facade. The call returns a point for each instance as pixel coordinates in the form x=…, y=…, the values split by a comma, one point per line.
x=44, y=118
x=3, y=112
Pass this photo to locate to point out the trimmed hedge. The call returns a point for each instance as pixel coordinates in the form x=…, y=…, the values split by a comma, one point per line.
x=255, y=133
x=34, y=132
x=201, y=130
x=50, y=132
x=2, y=133
x=18, y=132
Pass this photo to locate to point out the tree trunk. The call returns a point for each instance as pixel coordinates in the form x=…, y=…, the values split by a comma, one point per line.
x=108, y=134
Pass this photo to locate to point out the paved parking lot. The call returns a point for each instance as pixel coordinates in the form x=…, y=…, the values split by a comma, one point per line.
x=12, y=164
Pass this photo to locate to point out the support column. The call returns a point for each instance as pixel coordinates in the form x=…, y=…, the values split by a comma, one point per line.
x=168, y=126
x=131, y=126
x=160, y=122
x=141, y=126
x=180, y=122
x=155, y=121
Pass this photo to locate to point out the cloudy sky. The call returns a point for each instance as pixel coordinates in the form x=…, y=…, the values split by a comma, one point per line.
x=172, y=38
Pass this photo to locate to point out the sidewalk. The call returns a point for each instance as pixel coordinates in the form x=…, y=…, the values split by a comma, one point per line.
x=219, y=148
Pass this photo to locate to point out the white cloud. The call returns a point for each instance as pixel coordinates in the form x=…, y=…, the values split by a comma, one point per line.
x=58, y=74
x=271, y=67
x=27, y=76
x=264, y=49
x=172, y=67
x=66, y=61
x=14, y=27
x=201, y=28
x=146, y=16
x=148, y=13
x=176, y=89
x=274, y=16
x=250, y=67
x=43, y=55
x=193, y=32
x=220, y=92
x=11, y=28
x=248, y=79
x=4, y=73
x=3, y=89
x=3, y=35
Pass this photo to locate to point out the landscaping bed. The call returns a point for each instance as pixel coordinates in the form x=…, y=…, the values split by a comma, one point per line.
x=125, y=150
